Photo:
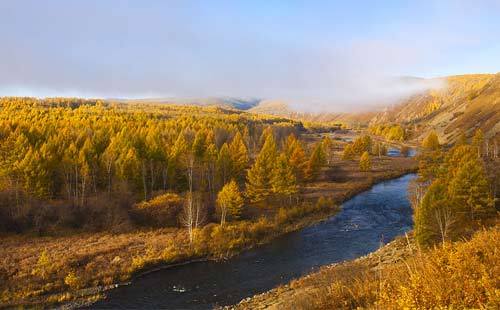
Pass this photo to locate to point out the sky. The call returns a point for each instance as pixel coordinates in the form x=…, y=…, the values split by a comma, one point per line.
x=317, y=54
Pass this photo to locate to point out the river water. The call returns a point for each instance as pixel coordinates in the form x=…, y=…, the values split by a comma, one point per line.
x=367, y=220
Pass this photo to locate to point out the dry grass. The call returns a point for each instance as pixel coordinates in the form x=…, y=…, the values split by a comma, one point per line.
x=456, y=276
x=97, y=260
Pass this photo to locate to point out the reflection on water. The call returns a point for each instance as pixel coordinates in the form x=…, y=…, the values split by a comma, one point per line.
x=379, y=214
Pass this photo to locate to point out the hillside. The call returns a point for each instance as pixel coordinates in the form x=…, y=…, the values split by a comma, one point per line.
x=281, y=108
x=223, y=102
x=467, y=103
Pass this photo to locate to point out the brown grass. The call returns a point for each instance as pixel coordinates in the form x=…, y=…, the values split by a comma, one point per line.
x=456, y=276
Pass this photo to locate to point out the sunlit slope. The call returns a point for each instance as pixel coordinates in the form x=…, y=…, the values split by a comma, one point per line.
x=466, y=103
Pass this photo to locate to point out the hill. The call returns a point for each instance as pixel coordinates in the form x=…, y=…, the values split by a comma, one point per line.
x=467, y=103
x=223, y=102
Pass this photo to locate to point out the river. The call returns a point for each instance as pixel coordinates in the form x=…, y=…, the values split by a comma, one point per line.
x=370, y=218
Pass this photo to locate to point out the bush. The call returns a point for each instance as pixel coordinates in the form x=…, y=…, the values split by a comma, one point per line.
x=161, y=211
x=72, y=281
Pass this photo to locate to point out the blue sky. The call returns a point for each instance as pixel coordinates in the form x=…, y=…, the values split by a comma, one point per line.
x=299, y=50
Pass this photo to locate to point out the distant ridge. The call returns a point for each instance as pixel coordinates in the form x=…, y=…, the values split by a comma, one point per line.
x=224, y=102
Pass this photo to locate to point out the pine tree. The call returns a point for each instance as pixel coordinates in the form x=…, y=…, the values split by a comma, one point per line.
x=229, y=202
x=365, y=163
x=259, y=176
x=283, y=180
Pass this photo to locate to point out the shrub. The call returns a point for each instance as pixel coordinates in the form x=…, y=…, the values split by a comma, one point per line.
x=72, y=280
x=160, y=211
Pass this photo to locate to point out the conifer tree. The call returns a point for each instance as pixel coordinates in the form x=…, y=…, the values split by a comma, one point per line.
x=327, y=147
x=239, y=156
x=462, y=139
x=297, y=161
x=469, y=189
x=348, y=153
x=316, y=161
x=258, y=186
x=478, y=141
x=224, y=164
x=365, y=163
x=434, y=219
x=229, y=202
x=283, y=181
x=431, y=142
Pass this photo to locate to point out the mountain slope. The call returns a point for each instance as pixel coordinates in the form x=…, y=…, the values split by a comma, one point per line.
x=467, y=103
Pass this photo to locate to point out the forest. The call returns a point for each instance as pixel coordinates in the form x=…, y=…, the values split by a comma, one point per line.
x=71, y=163
x=94, y=192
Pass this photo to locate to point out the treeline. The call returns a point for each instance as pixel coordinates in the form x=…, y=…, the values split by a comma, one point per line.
x=392, y=132
x=83, y=163
x=453, y=195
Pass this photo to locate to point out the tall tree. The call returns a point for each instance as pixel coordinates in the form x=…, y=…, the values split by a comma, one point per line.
x=239, y=156
x=283, y=181
x=229, y=202
x=259, y=176
x=365, y=162
x=316, y=161
x=431, y=142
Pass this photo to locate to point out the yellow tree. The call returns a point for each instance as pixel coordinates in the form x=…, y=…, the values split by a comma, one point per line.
x=315, y=162
x=258, y=185
x=431, y=142
x=365, y=162
x=478, y=141
x=239, y=155
x=283, y=181
x=348, y=153
x=229, y=202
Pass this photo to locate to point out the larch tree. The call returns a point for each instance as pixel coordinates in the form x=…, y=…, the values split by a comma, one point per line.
x=224, y=164
x=239, y=156
x=469, y=189
x=433, y=216
x=258, y=186
x=431, y=142
x=316, y=161
x=478, y=141
x=283, y=181
x=348, y=153
x=365, y=162
x=229, y=202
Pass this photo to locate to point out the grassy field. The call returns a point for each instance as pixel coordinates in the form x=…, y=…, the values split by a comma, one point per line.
x=55, y=269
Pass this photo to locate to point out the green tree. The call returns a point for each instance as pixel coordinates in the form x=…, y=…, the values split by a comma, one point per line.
x=469, y=189
x=434, y=218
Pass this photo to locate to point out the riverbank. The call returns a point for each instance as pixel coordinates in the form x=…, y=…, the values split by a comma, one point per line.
x=102, y=259
x=458, y=275
x=293, y=294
